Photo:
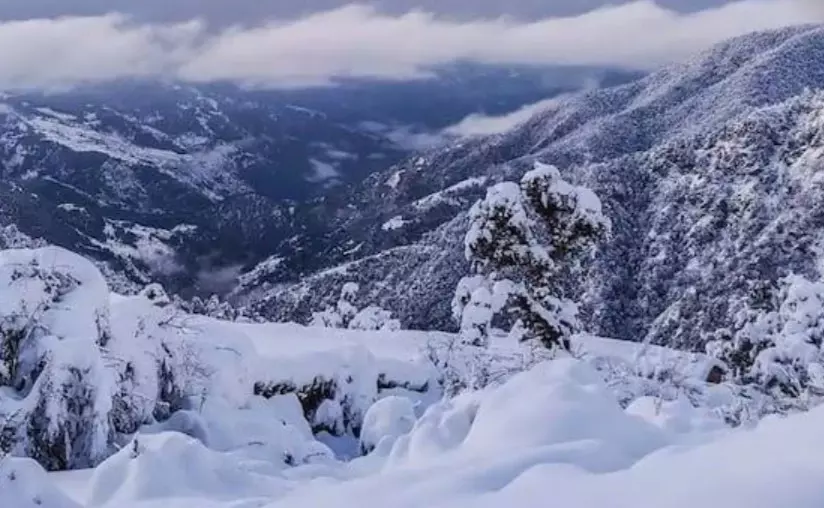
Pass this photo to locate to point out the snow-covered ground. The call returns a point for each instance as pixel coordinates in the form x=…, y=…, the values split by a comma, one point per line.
x=272, y=413
x=550, y=435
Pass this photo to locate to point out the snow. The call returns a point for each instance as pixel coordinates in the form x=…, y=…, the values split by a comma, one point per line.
x=386, y=421
x=71, y=207
x=24, y=484
x=394, y=180
x=446, y=196
x=149, y=244
x=555, y=428
x=394, y=223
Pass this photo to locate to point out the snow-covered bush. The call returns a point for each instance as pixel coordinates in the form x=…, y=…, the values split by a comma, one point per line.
x=387, y=419
x=12, y=238
x=79, y=370
x=54, y=325
x=776, y=346
x=519, y=239
x=345, y=315
x=374, y=318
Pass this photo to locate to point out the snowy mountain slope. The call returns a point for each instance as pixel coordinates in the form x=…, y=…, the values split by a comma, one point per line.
x=249, y=169
x=709, y=171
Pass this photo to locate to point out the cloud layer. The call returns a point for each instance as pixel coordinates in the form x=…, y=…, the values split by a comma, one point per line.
x=359, y=41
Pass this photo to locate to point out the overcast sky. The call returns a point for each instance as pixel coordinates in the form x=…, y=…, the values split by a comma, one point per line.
x=278, y=43
x=222, y=12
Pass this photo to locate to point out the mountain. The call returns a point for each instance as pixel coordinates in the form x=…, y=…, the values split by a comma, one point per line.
x=710, y=171
x=187, y=184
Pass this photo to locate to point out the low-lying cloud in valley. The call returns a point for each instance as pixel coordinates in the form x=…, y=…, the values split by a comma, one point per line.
x=358, y=41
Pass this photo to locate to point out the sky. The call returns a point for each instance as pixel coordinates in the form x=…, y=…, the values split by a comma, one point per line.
x=287, y=43
x=223, y=12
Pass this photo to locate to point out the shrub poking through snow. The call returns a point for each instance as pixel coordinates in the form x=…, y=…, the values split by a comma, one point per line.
x=519, y=239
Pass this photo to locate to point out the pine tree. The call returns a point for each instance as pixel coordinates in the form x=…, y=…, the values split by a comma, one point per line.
x=520, y=238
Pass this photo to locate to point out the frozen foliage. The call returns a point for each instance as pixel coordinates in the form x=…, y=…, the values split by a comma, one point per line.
x=374, y=318
x=213, y=307
x=519, y=238
x=54, y=326
x=342, y=313
x=776, y=343
x=12, y=238
x=345, y=315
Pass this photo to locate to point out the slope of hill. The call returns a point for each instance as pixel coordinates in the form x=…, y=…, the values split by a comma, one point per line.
x=160, y=181
x=710, y=171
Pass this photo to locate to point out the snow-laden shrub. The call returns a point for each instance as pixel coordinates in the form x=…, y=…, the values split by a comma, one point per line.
x=374, y=318
x=344, y=314
x=54, y=325
x=776, y=348
x=79, y=370
x=464, y=366
x=214, y=307
x=387, y=419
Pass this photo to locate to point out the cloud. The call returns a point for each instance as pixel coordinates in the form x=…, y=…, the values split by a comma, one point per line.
x=359, y=41
x=478, y=124
x=484, y=125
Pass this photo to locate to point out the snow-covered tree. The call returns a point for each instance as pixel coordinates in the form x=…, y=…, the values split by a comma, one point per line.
x=374, y=318
x=776, y=345
x=213, y=307
x=344, y=314
x=520, y=237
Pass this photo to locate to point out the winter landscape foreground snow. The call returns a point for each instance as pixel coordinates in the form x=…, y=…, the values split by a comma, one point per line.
x=132, y=403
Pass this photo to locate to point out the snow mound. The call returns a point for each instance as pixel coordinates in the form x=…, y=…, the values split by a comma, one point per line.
x=560, y=409
x=677, y=416
x=559, y=401
x=24, y=484
x=387, y=420
x=173, y=465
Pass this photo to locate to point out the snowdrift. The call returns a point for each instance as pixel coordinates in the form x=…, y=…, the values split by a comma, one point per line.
x=24, y=484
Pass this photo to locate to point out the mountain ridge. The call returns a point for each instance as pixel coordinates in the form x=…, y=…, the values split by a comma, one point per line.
x=674, y=156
